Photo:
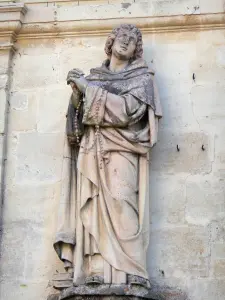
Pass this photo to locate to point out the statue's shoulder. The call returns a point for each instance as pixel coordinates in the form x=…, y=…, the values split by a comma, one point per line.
x=140, y=62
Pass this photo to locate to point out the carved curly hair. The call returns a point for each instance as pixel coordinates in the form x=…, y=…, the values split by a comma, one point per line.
x=125, y=27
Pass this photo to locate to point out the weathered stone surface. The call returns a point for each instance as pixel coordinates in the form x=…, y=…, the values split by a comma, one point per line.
x=1, y=154
x=168, y=202
x=52, y=119
x=27, y=238
x=98, y=9
x=41, y=77
x=39, y=157
x=3, y=80
x=2, y=110
x=21, y=289
x=23, y=111
x=181, y=152
x=207, y=288
x=85, y=297
x=207, y=102
x=206, y=6
x=4, y=65
x=205, y=200
x=107, y=298
x=176, y=7
x=105, y=291
x=179, y=252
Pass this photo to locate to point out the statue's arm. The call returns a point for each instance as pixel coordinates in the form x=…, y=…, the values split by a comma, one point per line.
x=123, y=110
x=75, y=96
x=108, y=109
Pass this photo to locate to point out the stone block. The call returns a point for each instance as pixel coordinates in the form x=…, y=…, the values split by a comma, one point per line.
x=13, y=245
x=175, y=7
x=19, y=101
x=209, y=79
x=39, y=158
x=205, y=53
x=108, y=291
x=1, y=153
x=52, y=109
x=39, y=69
x=167, y=200
x=218, y=251
x=174, y=49
x=45, y=2
x=177, y=108
x=122, y=1
x=217, y=230
x=22, y=289
x=92, y=2
x=4, y=62
x=40, y=13
x=207, y=7
x=189, y=159
x=23, y=204
x=207, y=103
x=103, y=11
x=218, y=268
x=179, y=252
x=23, y=111
x=219, y=152
x=217, y=263
x=220, y=53
x=176, y=85
x=29, y=222
x=3, y=80
x=2, y=110
x=205, y=199
x=202, y=289
x=86, y=49
x=12, y=11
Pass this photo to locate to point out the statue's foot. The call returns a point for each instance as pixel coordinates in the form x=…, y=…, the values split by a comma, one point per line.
x=137, y=280
x=94, y=279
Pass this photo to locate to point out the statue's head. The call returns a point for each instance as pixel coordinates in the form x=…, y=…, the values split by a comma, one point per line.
x=125, y=42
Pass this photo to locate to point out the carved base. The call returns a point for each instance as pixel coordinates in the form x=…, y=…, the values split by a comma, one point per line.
x=105, y=298
x=102, y=298
x=105, y=292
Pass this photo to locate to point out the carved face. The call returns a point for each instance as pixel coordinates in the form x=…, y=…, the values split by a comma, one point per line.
x=124, y=45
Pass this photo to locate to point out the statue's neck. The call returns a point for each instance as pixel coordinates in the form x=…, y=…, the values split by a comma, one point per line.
x=117, y=65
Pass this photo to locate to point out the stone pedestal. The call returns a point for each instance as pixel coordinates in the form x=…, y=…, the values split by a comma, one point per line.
x=105, y=292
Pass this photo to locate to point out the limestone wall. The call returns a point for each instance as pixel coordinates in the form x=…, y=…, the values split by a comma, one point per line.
x=184, y=41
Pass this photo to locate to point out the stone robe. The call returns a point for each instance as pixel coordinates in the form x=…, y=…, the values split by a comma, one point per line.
x=104, y=210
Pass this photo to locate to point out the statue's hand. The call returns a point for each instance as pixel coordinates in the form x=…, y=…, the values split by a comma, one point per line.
x=76, y=76
x=75, y=73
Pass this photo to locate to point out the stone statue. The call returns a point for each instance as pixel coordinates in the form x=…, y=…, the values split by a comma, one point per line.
x=112, y=123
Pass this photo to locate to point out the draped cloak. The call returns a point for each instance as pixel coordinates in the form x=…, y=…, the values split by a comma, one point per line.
x=104, y=207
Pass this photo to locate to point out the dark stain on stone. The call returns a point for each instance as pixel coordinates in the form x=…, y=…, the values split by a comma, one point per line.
x=125, y=5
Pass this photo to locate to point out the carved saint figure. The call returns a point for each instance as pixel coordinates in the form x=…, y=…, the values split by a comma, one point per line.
x=112, y=123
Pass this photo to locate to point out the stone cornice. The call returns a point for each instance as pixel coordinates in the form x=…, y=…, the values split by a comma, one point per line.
x=14, y=26
x=14, y=7
x=7, y=47
x=104, y=26
x=11, y=18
